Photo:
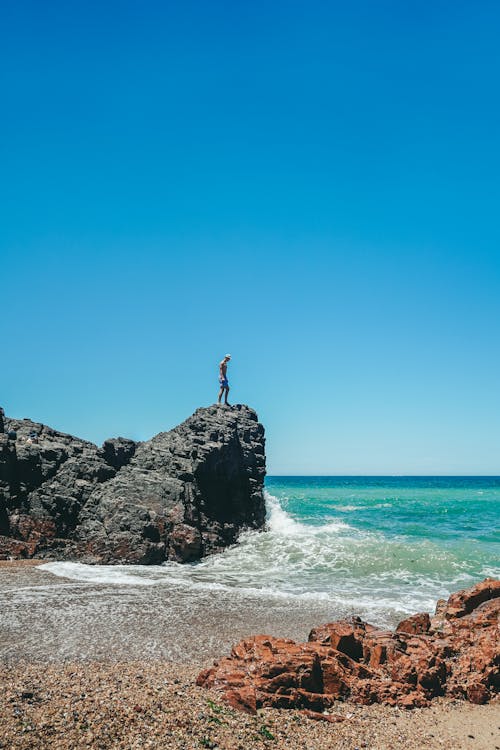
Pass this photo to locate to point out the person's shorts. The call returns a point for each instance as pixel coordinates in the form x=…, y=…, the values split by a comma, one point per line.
x=223, y=382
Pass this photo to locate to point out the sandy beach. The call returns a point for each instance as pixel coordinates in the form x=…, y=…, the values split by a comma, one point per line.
x=154, y=704
x=107, y=701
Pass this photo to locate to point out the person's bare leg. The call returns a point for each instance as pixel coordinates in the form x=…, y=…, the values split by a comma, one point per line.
x=226, y=395
x=220, y=394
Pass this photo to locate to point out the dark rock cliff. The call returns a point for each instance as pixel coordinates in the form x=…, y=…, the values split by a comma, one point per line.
x=179, y=496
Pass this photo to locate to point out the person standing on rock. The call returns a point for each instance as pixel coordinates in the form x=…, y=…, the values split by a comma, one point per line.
x=224, y=385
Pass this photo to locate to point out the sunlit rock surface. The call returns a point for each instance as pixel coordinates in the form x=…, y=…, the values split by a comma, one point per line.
x=455, y=653
x=179, y=496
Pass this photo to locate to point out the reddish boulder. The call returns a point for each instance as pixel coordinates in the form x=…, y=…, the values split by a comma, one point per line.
x=382, y=647
x=345, y=636
x=243, y=699
x=419, y=623
x=464, y=602
x=457, y=653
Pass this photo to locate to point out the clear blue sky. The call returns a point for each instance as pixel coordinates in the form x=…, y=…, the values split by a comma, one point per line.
x=312, y=187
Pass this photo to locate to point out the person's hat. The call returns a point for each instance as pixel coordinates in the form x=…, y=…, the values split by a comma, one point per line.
x=228, y=356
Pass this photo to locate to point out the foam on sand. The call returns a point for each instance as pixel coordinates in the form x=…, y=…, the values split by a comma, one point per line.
x=353, y=570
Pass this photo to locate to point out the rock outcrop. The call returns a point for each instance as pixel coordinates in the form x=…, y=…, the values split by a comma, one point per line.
x=455, y=653
x=179, y=496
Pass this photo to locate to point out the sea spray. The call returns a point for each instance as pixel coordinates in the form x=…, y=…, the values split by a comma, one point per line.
x=378, y=548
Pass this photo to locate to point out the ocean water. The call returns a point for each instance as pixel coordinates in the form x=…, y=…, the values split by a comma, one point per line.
x=380, y=547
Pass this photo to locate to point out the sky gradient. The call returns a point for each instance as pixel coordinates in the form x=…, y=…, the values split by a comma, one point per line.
x=310, y=187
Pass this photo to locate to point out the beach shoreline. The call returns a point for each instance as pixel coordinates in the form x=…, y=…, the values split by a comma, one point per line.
x=57, y=702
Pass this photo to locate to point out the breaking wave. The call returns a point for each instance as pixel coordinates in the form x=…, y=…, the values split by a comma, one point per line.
x=309, y=559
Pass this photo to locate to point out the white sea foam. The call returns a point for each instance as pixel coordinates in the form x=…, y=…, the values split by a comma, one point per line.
x=283, y=524
x=332, y=562
x=110, y=574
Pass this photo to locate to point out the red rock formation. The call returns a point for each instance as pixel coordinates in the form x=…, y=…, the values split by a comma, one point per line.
x=456, y=653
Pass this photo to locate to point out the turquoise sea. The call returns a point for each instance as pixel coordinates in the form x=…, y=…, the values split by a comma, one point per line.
x=392, y=542
x=380, y=547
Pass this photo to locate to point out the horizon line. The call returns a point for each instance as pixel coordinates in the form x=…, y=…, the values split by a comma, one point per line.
x=394, y=476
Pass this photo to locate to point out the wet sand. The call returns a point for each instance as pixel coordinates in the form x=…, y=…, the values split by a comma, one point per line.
x=98, y=666
x=49, y=618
